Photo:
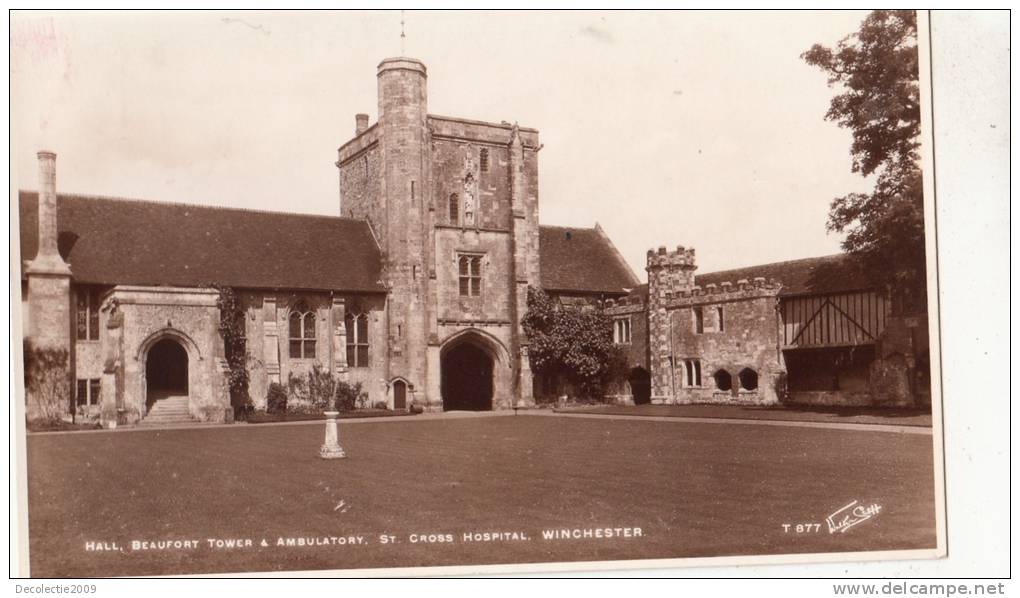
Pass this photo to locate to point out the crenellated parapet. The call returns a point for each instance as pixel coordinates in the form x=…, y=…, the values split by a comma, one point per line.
x=669, y=272
x=661, y=258
x=630, y=304
x=741, y=290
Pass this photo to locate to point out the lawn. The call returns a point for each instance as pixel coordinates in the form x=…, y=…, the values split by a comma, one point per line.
x=693, y=489
x=797, y=413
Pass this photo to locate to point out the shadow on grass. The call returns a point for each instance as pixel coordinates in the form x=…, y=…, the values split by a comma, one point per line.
x=265, y=418
x=787, y=412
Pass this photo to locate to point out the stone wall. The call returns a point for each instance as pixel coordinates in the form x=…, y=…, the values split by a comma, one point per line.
x=360, y=184
x=49, y=327
x=634, y=308
x=457, y=170
x=267, y=330
x=748, y=341
x=493, y=304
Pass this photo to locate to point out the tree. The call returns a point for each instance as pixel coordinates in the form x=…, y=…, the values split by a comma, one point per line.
x=876, y=69
x=577, y=343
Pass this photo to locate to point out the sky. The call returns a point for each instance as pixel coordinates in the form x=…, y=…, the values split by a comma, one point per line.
x=701, y=129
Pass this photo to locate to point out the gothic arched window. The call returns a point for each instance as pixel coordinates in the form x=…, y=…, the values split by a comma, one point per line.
x=454, y=209
x=302, y=331
x=357, y=339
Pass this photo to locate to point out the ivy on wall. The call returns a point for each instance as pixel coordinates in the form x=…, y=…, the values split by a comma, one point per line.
x=573, y=342
x=235, y=348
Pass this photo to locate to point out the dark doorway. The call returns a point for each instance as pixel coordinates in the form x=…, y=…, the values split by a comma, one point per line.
x=640, y=386
x=399, y=395
x=466, y=379
x=166, y=371
x=829, y=369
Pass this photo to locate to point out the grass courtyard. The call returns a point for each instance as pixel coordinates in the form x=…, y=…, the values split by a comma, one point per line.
x=693, y=489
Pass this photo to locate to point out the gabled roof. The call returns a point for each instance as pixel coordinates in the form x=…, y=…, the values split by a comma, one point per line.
x=118, y=241
x=810, y=276
x=582, y=260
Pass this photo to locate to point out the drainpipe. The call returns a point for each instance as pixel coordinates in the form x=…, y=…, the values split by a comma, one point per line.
x=672, y=356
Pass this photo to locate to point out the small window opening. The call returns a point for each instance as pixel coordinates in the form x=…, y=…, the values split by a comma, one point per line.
x=723, y=380
x=748, y=379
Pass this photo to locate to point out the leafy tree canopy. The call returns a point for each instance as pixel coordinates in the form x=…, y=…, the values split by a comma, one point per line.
x=876, y=70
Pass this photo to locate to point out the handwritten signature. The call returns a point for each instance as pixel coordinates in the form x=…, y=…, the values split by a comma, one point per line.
x=852, y=514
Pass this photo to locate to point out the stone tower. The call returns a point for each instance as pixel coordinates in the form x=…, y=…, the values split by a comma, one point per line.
x=453, y=203
x=403, y=116
x=670, y=273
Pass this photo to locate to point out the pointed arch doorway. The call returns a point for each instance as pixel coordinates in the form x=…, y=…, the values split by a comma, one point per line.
x=166, y=371
x=466, y=375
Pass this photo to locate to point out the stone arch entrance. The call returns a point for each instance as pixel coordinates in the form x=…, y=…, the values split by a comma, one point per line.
x=166, y=371
x=640, y=385
x=467, y=374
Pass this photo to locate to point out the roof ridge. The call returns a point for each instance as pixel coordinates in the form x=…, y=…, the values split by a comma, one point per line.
x=566, y=227
x=803, y=259
x=193, y=205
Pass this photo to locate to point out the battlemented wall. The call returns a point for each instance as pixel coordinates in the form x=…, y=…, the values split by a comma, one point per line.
x=701, y=340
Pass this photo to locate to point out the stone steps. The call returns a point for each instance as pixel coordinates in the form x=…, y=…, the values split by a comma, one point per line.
x=171, y=410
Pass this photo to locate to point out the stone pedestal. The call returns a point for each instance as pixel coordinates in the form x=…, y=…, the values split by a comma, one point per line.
x=331, y=446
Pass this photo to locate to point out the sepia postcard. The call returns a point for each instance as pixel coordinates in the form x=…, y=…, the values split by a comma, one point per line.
x=416, y=293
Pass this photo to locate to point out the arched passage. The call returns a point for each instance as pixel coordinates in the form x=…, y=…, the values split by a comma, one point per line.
x=466, y=375
x=748, y=379
x=166, y=371
x=640, y=386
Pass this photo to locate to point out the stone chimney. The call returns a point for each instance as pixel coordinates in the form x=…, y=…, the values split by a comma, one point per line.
x=47, y=259
x=49, y=290
x=360, y=123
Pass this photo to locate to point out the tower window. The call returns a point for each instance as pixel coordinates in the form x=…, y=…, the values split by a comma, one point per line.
x=302, y=332
x=722, y=322
x=470, y=275
x=692, y=372
x=454, y=209
x=621, y=331
x=87, y=314
x=357, y=340
x=483, y=159
x=699, y=321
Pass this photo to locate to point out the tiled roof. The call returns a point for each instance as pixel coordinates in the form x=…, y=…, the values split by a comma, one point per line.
x=809, y=276
x=117, y=241
x=582, y=260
